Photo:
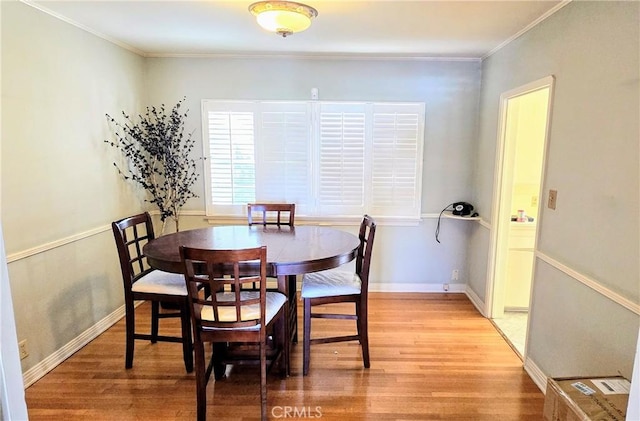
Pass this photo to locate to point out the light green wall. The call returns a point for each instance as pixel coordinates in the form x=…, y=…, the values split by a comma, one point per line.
x=592, y=50
x=58, y=181
x=450, y=90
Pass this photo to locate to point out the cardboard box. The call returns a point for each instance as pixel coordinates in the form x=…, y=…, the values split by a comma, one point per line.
x=586, y=399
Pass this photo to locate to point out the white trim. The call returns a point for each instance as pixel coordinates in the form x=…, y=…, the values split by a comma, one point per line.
x=415, y=287
x=475, y=300
x=591, y=283
x=183, y=213
x=527, y=88
x=84, y=28
x=57, y=243
x=484, y=224
x=537, y=375
x=497, y=228
x=312, y=56
x=321, y=221
x=38, y=371
x=527, y=28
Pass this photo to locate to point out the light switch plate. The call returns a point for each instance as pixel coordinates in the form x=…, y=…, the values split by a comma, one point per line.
x=553, y=196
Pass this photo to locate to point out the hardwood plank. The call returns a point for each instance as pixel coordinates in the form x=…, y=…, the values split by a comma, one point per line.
x=433, y=357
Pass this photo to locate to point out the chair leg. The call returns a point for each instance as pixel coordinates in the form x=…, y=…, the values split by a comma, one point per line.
x=130, y=321
x=280, y=334
x=155, y=311
x=187, y=343
x=263, y=380
x=219, y=368
x=307, y=337
x=201, y=382
x=363, y=332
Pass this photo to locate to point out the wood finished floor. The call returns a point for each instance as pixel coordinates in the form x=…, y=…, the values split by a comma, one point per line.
x=433, y=357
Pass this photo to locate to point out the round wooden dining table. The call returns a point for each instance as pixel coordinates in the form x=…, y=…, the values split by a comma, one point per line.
x=290, y=251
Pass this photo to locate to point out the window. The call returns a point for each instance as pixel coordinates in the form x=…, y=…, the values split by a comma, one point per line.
x=332, y=159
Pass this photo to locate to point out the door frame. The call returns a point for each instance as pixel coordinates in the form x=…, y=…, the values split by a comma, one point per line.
x=499, y=229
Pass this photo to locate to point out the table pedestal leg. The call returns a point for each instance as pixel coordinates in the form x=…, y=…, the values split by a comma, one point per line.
x=293, y=303
x=287, y=285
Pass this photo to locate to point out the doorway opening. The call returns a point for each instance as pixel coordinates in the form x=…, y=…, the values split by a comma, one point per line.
x=524, y=124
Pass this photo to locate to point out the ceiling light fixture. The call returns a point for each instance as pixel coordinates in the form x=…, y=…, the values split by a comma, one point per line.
x=283, y=17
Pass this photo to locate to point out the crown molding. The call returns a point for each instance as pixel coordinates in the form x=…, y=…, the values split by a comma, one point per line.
x=527, y=28
x=84, y=28
x=312, y=56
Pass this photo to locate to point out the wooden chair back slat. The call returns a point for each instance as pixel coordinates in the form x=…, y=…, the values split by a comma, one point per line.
x=131, y=235
x=224, y=273
x=271, y=214
x=363, y=259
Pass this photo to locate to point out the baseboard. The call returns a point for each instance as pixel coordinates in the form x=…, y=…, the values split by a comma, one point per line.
x=415, y=287
x=475, y=300
x=38, y=371
x=538, y=377
x=517, y=309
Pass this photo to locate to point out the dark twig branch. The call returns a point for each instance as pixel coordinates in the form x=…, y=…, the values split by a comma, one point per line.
x=158, y=151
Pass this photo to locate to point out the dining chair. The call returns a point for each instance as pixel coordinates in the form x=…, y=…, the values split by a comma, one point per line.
x=271, y=214
x=340, y=286
x=231, y=316
x=277, y=214
x=141, y=282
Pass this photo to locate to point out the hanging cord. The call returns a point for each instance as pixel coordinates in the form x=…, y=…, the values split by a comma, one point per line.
x=439, y=217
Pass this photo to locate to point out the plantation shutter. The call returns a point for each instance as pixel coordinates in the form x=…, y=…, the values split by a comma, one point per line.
x=396, y=159
x=283, y=166
x=229, y=147
x=341, y=161
x=333, y=159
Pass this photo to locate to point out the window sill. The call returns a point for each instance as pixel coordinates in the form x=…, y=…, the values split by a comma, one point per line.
x=326, y=221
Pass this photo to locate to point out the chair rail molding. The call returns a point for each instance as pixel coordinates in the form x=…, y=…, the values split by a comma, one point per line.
x=591, y=283
x=57, y=243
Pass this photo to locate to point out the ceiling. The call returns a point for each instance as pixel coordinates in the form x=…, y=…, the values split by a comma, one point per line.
x=434, y=29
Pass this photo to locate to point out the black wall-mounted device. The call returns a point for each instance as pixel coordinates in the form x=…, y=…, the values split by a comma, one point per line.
x=462, y=208
x=458, y=209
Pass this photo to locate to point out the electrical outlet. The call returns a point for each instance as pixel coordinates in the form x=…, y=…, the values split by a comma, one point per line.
x=553, y=196
x=22, y=348
x=445, y=287
x=454, y=275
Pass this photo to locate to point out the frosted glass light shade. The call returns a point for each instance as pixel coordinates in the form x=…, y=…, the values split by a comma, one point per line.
x=283, y=17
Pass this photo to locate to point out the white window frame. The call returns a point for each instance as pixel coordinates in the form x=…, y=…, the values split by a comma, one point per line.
x=389, y=138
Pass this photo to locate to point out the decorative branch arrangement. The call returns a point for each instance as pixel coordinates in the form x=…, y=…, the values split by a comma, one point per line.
x=158, y=151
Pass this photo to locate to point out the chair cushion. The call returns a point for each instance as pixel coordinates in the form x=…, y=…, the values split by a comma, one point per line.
x=330, y=283
x=159, y=282
x=275, y=301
